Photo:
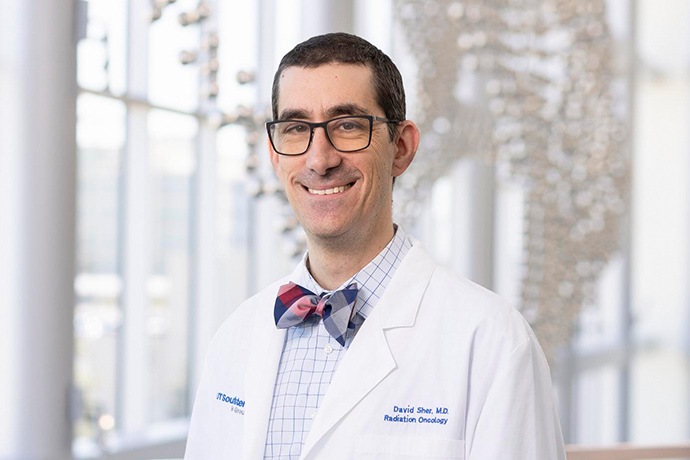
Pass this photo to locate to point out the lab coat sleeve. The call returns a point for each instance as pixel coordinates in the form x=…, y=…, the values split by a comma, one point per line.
x=518, y=419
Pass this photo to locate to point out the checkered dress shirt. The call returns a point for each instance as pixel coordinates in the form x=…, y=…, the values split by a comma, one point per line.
x=311, y=356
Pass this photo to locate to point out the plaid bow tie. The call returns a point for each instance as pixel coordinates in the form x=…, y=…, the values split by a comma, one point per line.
x=295, y=303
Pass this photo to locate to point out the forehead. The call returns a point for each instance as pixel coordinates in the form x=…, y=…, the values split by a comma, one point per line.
x=315, y=90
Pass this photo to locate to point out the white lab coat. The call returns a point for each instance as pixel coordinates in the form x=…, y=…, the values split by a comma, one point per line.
x=464, y=362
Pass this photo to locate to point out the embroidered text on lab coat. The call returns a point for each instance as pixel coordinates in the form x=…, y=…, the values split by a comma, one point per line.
x=401, y=415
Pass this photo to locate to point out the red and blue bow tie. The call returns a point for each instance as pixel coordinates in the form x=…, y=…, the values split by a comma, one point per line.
x=295, y=303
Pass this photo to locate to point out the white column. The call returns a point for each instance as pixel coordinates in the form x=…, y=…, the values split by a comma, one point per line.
x=135, y=354
x=37, y=231
x=482, y=210
x=204, y=279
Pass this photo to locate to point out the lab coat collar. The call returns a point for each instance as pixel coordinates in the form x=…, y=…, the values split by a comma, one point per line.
x=400, y=303
x=369, y=360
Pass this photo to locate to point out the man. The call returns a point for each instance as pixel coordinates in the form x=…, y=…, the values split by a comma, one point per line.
x=368, y=349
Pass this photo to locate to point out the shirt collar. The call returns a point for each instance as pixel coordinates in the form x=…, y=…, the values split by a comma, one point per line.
x=372, y=279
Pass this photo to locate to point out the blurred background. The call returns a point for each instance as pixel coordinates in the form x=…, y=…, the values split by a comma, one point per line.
x=138, y=207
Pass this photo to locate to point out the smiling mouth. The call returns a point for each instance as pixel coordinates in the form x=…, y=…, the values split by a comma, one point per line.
x=330, y=191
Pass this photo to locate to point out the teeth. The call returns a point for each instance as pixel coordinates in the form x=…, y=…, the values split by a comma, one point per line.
x=329, y=191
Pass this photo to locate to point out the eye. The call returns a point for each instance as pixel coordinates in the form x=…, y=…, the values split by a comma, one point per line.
x=350, y=125
x=295, y=128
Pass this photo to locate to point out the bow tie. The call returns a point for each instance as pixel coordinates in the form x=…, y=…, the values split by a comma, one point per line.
x=295, y=303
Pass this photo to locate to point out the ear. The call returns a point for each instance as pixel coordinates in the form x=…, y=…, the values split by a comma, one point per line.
x=406, y=143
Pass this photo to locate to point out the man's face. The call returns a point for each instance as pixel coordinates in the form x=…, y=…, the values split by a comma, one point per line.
x=319, y=94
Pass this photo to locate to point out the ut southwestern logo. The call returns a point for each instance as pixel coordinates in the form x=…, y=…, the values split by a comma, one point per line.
x=236, y=403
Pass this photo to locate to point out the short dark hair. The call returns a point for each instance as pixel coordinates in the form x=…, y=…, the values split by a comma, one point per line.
x=345, y=48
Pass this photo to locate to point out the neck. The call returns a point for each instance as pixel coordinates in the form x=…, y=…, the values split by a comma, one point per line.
x=332, y=262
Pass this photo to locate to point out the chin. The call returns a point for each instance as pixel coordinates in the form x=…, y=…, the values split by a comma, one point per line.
x=326, y=231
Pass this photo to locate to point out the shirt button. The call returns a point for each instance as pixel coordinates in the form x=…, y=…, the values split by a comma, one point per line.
x=328, y=349
x=313, y=415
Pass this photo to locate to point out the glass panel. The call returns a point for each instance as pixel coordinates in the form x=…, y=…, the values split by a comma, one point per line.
x=240, y=26
x=172, y=84
x=508, y=241
x=597, y=406
x=600, y=324
x=661, y=192
x=441, y=216
x=660, y=406
x=289, y=29
x=172, y=164
x=444, y=223
x=98, y=315
x=231, y=218
x=101, y=56
x=237, y=52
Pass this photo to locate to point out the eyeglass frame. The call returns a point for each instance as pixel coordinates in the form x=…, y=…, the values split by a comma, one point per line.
x=323, y=124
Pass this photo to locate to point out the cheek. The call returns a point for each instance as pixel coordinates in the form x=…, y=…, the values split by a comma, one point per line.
x=382, y=161
x=283, y=170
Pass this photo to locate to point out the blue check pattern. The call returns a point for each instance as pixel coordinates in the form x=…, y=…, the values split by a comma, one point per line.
x=311, y=356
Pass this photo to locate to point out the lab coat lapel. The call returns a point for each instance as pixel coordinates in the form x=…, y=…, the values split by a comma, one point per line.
x=366, y=363
x=369, y=359
x=262, y=367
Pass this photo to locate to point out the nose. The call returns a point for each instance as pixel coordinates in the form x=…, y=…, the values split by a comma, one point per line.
x=322, y=156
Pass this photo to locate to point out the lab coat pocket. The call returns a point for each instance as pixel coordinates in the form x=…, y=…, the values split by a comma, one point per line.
x=394, y=447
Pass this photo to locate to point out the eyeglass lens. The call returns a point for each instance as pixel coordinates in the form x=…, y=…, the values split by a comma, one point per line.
x=346, y=134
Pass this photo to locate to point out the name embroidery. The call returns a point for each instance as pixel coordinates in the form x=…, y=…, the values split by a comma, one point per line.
x=418, y=414
x=236, y=403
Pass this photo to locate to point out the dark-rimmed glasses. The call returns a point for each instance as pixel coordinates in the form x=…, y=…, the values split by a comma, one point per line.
x=350, y=133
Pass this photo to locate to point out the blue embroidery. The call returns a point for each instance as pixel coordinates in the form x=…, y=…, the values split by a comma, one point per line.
x=235, y=401
x=401, y=415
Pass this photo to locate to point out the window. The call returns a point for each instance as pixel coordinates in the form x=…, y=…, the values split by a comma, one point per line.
x=164, y=214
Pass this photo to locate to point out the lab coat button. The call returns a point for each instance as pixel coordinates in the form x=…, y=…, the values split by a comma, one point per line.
x=328, y=349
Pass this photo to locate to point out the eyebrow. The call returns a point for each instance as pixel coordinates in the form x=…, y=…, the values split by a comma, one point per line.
x=290, y=114
x=346, y=109
x=335, y=111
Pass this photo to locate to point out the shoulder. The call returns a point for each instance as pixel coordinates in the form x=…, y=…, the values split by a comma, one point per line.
x=467, y=298
x=477, y=312
x=494, y=332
